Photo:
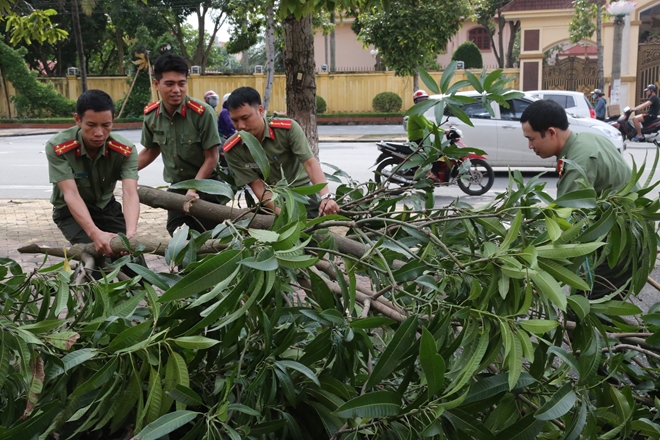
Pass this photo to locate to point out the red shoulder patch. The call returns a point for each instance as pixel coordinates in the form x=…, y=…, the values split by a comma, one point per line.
x=65, y=146
x=151, y=107
x=122, y=149
x=231, y=142
x=281, y=123
x=197, y=108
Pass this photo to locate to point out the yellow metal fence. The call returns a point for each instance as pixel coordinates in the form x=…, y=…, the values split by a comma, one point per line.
x=343, y=92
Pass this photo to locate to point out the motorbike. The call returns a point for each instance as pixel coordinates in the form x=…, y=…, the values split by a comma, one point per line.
x=650, y=131
x=472, y=172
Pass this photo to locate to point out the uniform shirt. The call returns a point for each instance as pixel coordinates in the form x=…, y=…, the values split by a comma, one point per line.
x=600, y=160
x=182, y=138
x=416, y=126
x=95, y=178
x=286, y=149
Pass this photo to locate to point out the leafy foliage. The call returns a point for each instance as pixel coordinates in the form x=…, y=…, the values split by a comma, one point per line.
x=387, y=102
x=583, y=23
x=469, y=53
x=321, y=105
x=408, y=33
x=447, y=322
x=33, y=97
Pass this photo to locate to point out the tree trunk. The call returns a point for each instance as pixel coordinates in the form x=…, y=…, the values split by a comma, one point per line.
x=4, y=87
x=79, y=44
x=270, y=56
x=333, y=45
x=300, y=76
x=416, y=81
x=245, y=61
x=119, y=38
x=599, y=45
x=501, y=24
x=513, y=27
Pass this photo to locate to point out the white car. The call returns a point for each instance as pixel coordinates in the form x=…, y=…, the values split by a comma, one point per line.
x=575, y=103
x=501, y=137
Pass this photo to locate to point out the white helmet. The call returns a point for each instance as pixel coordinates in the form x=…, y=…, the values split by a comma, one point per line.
x=224, y=98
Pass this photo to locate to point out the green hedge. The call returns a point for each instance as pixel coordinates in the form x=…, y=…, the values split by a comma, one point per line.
x=321, y=105
x=387, y=102
x=470, y=54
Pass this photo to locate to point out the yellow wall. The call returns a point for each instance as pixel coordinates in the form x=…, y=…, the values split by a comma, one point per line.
x=343, y=92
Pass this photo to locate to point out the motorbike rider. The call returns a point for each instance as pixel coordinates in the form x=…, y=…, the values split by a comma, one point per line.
x=600, y=108
x=418, y=123
x=653, y=104
x=211, y=98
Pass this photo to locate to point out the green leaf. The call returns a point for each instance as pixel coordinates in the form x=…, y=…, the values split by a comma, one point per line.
x=299, y=368
x=400, y=344
x=575, y=428
x=562, y=251
x=43, y=326
x=490, y=386
x=447, y=76
x=166, y=424
x=582, y=198
x=72, y=360
x=208, y=186
x=616, y=308
x=579, y=304
x=515, y=363
x=526, y=428
x=5, y=356
x=34, y=425
x=512, y=233
x=209, y=273
x=548, y=286
x=243, y=409
x=432, y=363
x=177, y=243
x=185, y=395
x=554, y=231
x=150, y=275
x=257, y=152
x=563, y=274
x=468, y=424
x=371, y=405
x=372, y=322
x=195, y=342
x=600, y=228
x=410, y=271
x=429, y=82
x=558, y=405
x=538, y=326
x=264, y=235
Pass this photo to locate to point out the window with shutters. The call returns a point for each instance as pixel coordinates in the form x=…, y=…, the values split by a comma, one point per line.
x=479, y=36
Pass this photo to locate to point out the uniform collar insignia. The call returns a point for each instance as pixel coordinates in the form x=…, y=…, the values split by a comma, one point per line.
x=560, y=166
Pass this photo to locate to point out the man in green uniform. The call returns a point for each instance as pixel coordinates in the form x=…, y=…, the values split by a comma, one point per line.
x=545, y=125
x=84, y=164
x=185, y=132
x=286, y=147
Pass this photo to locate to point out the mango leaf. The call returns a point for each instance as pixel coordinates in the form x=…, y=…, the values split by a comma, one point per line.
x=554, y=231
x=576, y=427
x=400, y=344
x=512, y=234
x=257, y=152
x=371, y=405
x=299, y=368
x=208, y=186
x=548, y=287
x=185, y=395
x=177, y=243
x=429, y=82
x=209, y=273
x=166, y=424
x=43, y=326
x=579, y=304
x=264, y=235
x=600, y=228
x=71, y=360
x=563, y=274
x=432, y=363
x=527, y=428
x=371, y=322
x=538, y=326
x=558, y=405
x=616, y=308
x=468, y=424
x=195, y=342
x=582, y=198
x=490, y=386
x=562, y=251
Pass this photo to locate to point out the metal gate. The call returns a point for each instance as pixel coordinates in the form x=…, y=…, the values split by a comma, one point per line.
x=648, y=69
x=572, y=74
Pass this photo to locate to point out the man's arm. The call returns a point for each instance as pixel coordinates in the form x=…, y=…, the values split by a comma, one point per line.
x=81, y=214
x=259, y=189
x=147, y=155
x=328, y=206
x=211, y=157
x=131, y=203
x=642, y=106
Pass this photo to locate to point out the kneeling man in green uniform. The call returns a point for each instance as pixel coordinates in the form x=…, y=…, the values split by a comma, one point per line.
x=545, y=125
x=286, y=147
x=84, y=164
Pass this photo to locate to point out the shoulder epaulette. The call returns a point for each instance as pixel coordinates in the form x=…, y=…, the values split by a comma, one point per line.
x=281, y=123
x=122, y=149
x=65, y=146
x=151, y=107
x=231, y=142
x=197, y=108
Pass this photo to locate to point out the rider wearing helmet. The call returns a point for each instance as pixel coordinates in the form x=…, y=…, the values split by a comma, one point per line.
x=211, y=98
x=418, y=123
x=653, y=104
x=597, y=94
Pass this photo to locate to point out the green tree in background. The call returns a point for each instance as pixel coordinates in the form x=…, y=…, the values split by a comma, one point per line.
x=485, y=11
x=587, y=19
x=469, y=53
x=411, y=33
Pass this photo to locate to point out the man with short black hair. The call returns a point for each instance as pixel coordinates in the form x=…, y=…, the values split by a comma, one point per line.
x=286, y=147
x=184, y=130
x=653, y=104
x=84, y=164
x=545, y=125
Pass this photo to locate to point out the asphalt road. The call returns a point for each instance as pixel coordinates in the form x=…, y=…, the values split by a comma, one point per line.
x=24, y=169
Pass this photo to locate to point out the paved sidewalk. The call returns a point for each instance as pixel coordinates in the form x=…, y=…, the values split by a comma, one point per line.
x=30, y=221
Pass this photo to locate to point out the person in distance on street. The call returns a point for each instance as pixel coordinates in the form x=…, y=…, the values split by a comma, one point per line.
x=545, y=125
x=211, y=98
x=653, y=105
x=84, y=164
x=601, y=104
x=286, y=147
x=184, y=130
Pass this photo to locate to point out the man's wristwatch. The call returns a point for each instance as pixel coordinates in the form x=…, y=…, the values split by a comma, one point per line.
x=327, y=196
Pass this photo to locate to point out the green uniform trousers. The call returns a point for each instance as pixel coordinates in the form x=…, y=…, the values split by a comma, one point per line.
x=108, y=219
